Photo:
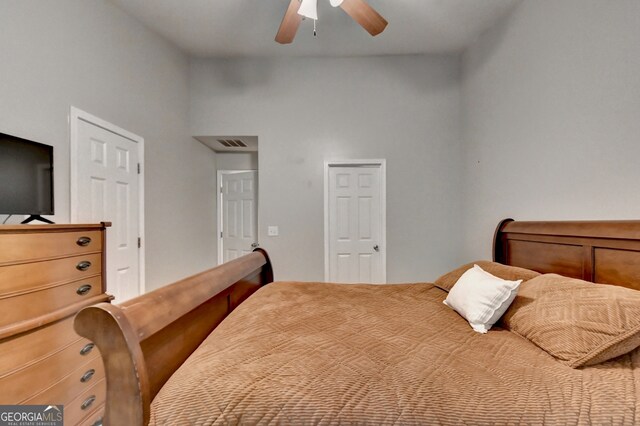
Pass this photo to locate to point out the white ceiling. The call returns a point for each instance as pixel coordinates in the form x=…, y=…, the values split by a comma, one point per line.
x=227, y=28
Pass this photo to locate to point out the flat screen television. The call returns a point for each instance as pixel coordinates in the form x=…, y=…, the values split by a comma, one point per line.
x=26, y=178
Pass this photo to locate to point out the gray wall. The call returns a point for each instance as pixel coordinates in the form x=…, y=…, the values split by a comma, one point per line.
x=551, y=116
x=305, y=111
x=237, y=160
x=548, y=105
x=89, y=54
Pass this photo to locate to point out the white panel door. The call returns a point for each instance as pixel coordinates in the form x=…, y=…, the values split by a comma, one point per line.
x=107, y=190
x=239, y=215
x=355, y=224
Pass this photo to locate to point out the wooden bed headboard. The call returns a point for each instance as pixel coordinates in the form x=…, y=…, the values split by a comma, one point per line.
x=605, y=252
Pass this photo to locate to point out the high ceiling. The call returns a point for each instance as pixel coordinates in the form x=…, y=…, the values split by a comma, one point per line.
x=231, y=28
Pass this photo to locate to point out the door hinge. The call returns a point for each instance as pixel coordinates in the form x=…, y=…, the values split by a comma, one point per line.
x=139, y=242
x=138, y=168
x=221, y=235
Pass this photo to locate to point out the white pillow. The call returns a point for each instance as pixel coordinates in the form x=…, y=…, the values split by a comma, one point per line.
x=481, y=298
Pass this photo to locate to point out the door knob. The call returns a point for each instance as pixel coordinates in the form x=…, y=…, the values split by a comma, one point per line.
x=376, y=248
x=254, y=245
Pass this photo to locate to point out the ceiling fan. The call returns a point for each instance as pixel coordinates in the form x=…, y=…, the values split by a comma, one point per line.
x=359, y=10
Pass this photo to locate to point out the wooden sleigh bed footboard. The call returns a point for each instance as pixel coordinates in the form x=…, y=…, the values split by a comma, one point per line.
x=143, y=341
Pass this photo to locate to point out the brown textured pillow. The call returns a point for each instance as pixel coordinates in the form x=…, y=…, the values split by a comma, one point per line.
x=510, y=273
x=577, y=322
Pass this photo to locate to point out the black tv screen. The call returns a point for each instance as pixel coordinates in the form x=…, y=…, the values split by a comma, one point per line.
x=26, y=176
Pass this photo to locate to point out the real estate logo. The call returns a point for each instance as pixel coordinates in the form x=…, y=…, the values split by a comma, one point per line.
x=31, y=415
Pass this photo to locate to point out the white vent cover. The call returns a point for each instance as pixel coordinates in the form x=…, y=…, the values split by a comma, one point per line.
x=232, y=143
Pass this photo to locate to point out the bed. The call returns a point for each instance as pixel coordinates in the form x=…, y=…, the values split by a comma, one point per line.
x=228, y=346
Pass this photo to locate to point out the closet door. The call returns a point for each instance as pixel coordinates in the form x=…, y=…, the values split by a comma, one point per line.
x=355, y=224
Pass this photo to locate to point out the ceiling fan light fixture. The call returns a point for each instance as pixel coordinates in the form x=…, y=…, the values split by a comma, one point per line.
x=309, y=9
x=359, y=10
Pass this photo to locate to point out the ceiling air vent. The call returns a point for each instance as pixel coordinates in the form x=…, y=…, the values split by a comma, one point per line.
x=232, y=143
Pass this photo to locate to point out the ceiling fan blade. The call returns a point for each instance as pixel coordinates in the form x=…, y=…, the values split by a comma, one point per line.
x=290, y=23
x=365, y=15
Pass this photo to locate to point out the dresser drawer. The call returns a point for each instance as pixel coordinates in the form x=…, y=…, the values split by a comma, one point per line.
x=34, y=304
x=27, y=277
x=95, y=418
x=86, y=403
x=36, y=377
x=67, y=389
x=34, y=345
x=20, y=247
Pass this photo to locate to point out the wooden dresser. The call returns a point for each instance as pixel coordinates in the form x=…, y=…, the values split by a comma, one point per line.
x=47, y=274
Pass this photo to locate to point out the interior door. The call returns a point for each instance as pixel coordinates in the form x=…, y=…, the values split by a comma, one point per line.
x=355, y=221
x=107, y=190
x=239, y=217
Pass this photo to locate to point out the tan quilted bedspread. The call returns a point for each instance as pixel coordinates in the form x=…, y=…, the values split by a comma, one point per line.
x=314, y=353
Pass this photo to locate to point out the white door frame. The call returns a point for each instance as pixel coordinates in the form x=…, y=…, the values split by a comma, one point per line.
x=219, y=207
x=76, y=115
x=382, y=163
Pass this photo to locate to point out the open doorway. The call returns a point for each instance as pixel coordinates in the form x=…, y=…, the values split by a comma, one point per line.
x=236, y=194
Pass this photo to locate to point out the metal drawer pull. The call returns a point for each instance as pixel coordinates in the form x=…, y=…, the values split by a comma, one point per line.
x=87, y=376
x=98, y=422
x=83, y=241
x=87, y=402
x=83, y=266
x=83, y=289
x=87, y=348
